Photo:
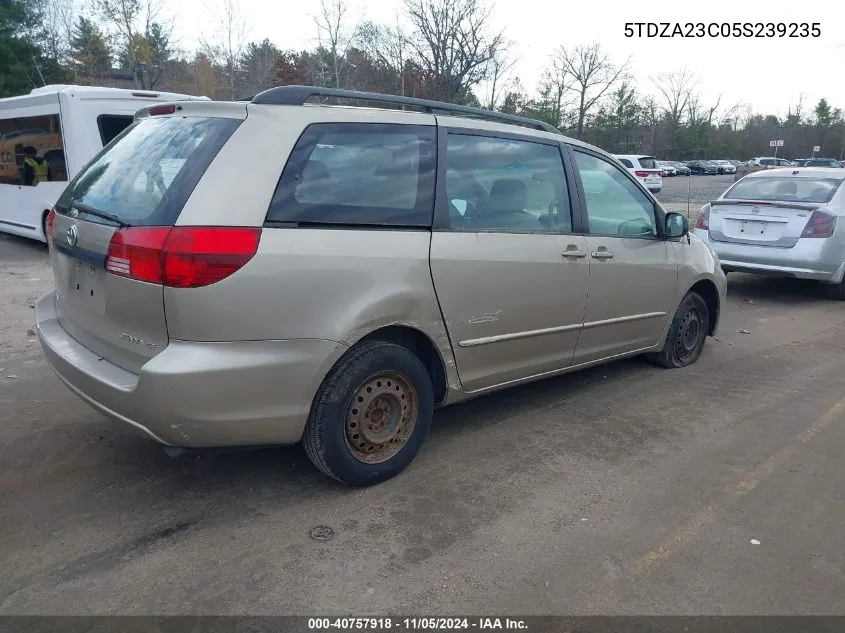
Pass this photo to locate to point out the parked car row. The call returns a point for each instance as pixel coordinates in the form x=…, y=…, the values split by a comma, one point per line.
x=698, y=167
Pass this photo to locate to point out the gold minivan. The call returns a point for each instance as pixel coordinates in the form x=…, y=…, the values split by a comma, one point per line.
x=276, y=271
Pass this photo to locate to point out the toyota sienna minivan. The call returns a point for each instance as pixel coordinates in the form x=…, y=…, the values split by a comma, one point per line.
x=276, y=271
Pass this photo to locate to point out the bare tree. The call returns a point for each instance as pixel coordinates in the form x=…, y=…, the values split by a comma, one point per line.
x=590, y=75
x=454, y=44
x=555, y=84
x=334, y=35
x=500, y=66
x=227, y=41
x=59, y=17
x=141, y=33
x=388, y=45
x=676, y=89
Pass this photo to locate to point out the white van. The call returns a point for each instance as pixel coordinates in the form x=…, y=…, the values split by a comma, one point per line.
x=63, y=128
x=645, y=169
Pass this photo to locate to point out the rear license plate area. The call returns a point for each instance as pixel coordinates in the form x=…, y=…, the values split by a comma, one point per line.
x=750, y=227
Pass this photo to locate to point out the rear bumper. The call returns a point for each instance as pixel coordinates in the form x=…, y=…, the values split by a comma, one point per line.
x=197, y=394
x=817, y=259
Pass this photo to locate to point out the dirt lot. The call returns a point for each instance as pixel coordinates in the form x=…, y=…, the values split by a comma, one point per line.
x=621, y=490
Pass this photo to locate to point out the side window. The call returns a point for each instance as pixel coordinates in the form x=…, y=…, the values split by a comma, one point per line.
x=110, y=125
x=767, y=161
x=32, y=150
x=615, y=205
x=369, y=174
x=627, y=163
x=497, y=184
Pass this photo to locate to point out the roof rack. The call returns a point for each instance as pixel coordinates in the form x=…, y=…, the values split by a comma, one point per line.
x=299, y=95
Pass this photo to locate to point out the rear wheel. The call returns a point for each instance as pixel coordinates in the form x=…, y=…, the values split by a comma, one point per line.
x=835, y=291
x=371, y=415
x=687, y=334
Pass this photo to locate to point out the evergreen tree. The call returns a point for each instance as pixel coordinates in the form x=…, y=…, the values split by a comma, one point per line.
x=90, y=50
x=20, y=54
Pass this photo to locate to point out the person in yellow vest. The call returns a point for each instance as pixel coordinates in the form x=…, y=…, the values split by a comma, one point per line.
x=35, y=169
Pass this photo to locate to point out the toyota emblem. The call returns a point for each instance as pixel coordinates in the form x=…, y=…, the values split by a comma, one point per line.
x=72, y=236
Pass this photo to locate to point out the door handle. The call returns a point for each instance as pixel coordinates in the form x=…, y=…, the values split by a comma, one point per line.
x=601, y=254
x=574, y=252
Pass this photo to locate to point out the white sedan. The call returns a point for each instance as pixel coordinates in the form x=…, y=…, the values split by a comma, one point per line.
x=725, y=166
x=668, y=169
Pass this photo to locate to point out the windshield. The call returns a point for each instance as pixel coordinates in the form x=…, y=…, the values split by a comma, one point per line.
x=785, y=189
x=147, y=174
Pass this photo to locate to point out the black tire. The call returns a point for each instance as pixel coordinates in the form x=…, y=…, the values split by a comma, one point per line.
x=687, y=334
x=334, y=419
x=835, y=291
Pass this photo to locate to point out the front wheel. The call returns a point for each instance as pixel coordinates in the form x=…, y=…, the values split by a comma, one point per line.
x=371, y=415
x=687, y=334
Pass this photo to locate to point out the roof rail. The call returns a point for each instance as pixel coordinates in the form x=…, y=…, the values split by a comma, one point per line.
x=299, y=95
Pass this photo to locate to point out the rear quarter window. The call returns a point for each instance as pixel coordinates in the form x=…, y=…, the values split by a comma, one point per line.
x=366, y=174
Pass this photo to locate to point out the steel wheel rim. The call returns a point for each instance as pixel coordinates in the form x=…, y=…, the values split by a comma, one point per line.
x=689, y=335
x=381, y=417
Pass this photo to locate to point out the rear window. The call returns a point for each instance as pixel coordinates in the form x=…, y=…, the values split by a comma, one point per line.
x=366, y=174
x=813, y=190
x=147, y=175
x=648, y=162
x=626, y=162
x=817, y=162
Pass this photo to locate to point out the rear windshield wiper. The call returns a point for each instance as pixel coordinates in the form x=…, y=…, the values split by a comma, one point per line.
x=99, y=214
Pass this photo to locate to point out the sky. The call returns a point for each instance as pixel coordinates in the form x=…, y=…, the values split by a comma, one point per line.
x=768, y=74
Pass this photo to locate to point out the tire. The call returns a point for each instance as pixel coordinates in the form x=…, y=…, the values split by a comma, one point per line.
x=686, y=336
x=835, y=291
x=355, y=445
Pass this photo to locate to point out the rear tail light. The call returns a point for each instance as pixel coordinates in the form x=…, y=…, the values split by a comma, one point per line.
x=820, y=224
x=641, y=174
x=662, y=174
x=182, y=256
x=704, y=218
x=51, y=217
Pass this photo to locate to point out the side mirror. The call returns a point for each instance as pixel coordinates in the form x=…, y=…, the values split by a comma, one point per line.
x=677, y=225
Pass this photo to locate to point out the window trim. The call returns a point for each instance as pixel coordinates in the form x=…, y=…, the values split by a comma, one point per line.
x=363, y=226
x=441, y=222
x=659, y=214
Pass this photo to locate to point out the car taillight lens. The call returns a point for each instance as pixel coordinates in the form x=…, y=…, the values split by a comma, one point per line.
x=182, y=256
x=641, y=174
x=704, y=218
x=51, y=217
x=820, y=224
x=662, y=174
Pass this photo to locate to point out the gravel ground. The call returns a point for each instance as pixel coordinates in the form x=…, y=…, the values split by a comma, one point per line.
x=623, y=489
